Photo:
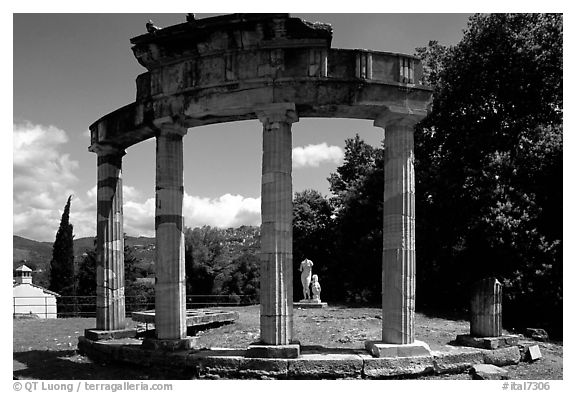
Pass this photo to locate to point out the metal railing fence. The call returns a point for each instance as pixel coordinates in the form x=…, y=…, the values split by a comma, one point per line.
x=85, y=306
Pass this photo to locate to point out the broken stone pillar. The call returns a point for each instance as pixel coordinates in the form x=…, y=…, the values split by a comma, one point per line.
x=170, y=286
x=398, y=255
x=276, y=232
x=110, y=303
x=486, y=308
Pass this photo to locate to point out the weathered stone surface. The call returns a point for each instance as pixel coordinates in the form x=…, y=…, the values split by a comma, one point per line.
x=391, y=367
x=398, y=255
x=276, y=230
x=502, y=356
x=456, y=360
x=286, y=351
x=379, y=349
x=325, y=366
x=170, y=288
x=231, y=363
x=537, y=334
x=487, y=342
x=486, y=308
x=110, y=301
x=488, y=371
x=533, y=353
x=156, y=344
x=96, y=335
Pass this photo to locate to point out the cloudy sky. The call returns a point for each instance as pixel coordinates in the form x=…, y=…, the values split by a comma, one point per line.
x=71, y=69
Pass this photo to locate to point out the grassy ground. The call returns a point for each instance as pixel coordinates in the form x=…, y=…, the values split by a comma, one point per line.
x=46, y=349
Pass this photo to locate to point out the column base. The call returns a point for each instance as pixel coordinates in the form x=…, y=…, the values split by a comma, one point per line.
x=378, y=349
x=468, y=340
x=157, y=344
x=97, y=335
x=287, y=351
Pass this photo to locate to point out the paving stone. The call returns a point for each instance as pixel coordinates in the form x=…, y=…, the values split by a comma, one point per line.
x=502, y=356
x=382, y=350
x=288, y=351
x=488, y=371
x=326, y=366
x=487, y=342
x=456, y=360
x=95, y=334
x=391, y=367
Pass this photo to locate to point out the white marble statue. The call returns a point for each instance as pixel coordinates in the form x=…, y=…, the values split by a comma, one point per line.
x=306, y=277
x=316, y=288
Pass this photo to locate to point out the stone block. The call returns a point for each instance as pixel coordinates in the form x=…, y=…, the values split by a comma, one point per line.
x=97, y=335
x=533, y=353
x=487, y=342
x=456, y=360
x=156, y=344
x=537, y=334
x=392, y=367
x=287, y=351
x=325, y=366
x=502, y=356
x=379, y=349
x=488, y=371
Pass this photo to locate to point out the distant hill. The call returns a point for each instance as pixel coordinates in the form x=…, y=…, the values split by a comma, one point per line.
x=38, y=254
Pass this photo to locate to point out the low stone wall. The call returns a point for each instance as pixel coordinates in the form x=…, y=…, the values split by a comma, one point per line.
x=316, y=363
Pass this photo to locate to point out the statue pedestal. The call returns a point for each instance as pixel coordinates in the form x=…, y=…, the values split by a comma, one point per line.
x=310, y=303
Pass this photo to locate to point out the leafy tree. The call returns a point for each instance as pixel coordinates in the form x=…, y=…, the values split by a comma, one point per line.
x=489, y=167
x=313, y=238
x=62, y=263
x=357, y=186
x=243, y=283
x=204, y=259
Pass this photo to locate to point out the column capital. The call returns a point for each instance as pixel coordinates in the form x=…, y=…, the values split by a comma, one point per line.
x=106, y=149
x=272, y=114
x=167, y=126
x=399, y=116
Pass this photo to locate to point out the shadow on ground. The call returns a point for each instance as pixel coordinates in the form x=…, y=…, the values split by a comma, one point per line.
x=70, y=365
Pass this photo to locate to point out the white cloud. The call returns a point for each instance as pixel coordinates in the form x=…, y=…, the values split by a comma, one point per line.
x=314, y=155
x=225, y=211
x=43, y=179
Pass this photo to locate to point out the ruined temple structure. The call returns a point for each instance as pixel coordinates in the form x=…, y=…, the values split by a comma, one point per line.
x=277, y=69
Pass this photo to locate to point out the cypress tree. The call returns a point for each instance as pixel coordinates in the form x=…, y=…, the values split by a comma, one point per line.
x=62, y=263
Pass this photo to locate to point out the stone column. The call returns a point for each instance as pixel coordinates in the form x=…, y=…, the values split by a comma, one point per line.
x=398, y=254
x=170, y=287
x=110, y=303
x=486, y=308
x=276, y=233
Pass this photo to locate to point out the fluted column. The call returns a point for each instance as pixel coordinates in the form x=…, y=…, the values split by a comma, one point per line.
x=398, y=254
x=170, y=287
x=110, y=302
x=486, y=308
x=276, y=231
